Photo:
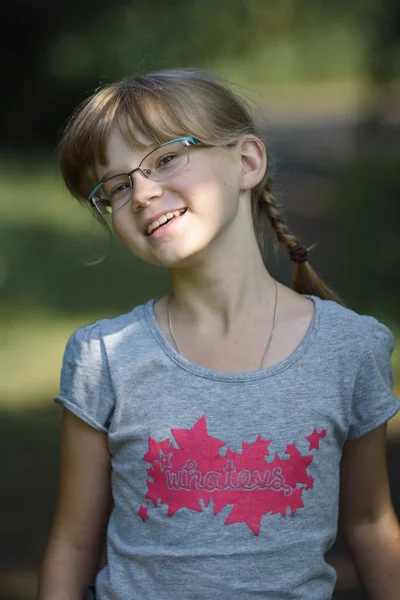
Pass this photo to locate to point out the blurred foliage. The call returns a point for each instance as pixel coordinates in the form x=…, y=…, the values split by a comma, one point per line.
x=366, y=213
x=63, y=51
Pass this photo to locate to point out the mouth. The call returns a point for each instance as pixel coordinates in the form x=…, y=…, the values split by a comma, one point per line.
x=164, y=222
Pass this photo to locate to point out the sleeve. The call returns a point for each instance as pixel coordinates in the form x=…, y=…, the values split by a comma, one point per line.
x=373, y=401
x=85, y=386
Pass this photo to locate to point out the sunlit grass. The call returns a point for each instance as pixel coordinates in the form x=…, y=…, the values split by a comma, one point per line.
x=31, y=357
x=36, y=194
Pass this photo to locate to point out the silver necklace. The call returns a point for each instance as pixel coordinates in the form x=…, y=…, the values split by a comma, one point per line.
x=271, y=335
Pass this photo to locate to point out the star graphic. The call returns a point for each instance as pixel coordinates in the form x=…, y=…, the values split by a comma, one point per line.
x=164, y=460
x=315, y=437
x=279, y=483
x=292, y=450
x=143, y=510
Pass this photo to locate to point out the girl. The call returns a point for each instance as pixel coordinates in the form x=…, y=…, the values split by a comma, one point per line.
x=209, y=432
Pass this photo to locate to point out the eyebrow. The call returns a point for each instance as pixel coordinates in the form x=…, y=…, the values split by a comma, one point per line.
x=109, y=174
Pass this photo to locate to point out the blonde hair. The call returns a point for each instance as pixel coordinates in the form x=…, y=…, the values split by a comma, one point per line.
x=162, y=106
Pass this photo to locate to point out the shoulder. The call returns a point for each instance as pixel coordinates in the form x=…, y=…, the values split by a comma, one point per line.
x=93, y=349
x=350, y=329
x=112, y=326
x=96, y=339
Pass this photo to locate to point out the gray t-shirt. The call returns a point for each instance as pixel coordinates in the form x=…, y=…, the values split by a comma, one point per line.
x=225, y=485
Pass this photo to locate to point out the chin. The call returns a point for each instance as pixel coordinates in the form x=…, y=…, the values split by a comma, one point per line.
x=175, y=262
x=175, y=258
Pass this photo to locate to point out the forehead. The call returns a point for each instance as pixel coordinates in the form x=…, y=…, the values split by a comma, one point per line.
x=117, y=144
x=121, y=155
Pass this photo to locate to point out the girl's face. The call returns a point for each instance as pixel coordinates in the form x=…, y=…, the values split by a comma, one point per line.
x=207, y=189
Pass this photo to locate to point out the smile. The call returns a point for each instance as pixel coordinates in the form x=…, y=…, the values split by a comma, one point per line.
x=163, y=220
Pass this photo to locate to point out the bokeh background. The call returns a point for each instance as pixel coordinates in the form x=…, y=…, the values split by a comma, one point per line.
x=324, y=81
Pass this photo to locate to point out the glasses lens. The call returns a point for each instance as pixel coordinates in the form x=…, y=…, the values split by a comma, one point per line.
x=114, y=193
x=165, y=161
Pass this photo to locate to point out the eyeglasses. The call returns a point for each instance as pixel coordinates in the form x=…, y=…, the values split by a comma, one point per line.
x=163, y=162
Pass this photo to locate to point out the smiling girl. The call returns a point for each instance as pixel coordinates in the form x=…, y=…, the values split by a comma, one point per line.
x=214, y=433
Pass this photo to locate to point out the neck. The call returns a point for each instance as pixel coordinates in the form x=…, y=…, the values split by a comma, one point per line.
x=218, y=294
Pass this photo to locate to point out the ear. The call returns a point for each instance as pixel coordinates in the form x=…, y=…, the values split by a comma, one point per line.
x=253, y=158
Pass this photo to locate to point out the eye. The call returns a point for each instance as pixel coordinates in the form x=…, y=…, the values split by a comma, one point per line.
x=119, y=190
x=166, y=160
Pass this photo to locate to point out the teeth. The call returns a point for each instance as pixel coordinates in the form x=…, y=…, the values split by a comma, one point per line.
x=163, y=219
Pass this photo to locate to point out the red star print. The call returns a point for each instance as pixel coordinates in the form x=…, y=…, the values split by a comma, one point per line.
x=197, y=472
x=164, y=460
x=315, y=437
x=143, y=510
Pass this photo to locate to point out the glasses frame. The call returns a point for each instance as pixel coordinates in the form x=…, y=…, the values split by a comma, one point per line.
x=186, y=141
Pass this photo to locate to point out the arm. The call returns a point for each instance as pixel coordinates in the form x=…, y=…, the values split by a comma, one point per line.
x=366, y=516
x=82, y=511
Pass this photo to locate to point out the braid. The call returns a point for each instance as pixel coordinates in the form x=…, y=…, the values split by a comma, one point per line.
x=305, y=280
x=276, y=219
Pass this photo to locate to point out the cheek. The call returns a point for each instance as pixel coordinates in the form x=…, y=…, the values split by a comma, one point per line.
x=126, y=230
x=133, y=239
x=119, y=224
x=211, y=187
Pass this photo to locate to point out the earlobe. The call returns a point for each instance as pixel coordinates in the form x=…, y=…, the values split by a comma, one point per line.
x=254, y=162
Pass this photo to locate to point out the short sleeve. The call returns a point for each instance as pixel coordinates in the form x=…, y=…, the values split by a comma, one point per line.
x=85, y=386
x=373, y=401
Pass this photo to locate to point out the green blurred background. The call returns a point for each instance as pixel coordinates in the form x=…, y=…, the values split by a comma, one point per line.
x=324, y=82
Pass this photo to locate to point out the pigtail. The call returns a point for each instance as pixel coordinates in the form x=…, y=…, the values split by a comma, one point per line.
x=305, y=280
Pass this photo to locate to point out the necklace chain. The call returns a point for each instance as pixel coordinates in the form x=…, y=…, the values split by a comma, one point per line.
x=271, y=335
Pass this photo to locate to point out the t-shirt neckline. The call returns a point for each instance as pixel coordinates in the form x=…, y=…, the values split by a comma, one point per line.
x=182, y=362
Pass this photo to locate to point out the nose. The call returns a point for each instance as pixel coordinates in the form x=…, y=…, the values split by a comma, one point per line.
x=144, y=190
